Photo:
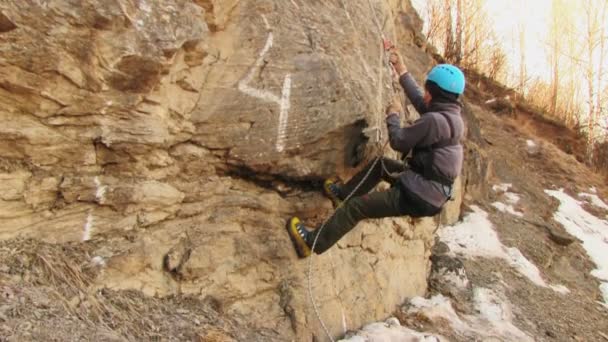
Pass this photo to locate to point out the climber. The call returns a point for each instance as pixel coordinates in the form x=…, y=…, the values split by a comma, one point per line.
x=423, y=184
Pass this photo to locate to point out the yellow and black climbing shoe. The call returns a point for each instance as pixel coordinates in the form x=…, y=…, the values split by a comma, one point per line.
x=332, y=190
x=300, y=237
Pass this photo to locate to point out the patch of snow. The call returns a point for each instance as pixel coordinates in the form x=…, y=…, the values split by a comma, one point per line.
x=560, y=289
x=438, y=306
x=391, y=331
x=498, y=313
x=592, y=231
x=512, y=198
x=475, y=236
x=604, y=289
x=457, y=279
x=524, y=266
x=490, y=101
x=494, y=318
x=507, y=208
x=504, y=187
x=593, y=190
x=530, y=143
x=595, y=200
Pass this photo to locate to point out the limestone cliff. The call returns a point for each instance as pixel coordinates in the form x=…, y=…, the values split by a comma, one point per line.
x=178, y=135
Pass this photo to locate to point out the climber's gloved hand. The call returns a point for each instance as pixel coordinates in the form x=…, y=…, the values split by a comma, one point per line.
x=397, y=61
x=395, y=106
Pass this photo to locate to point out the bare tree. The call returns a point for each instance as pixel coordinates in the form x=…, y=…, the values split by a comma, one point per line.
x=435, y=18
x=555, y=48
x=497, y=62
x=448, y=47
x=459, y=32
x=602, y=52
x=595, y=15
x=521, y=28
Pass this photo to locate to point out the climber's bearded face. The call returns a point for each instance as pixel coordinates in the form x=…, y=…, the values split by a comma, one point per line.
x=427, y=97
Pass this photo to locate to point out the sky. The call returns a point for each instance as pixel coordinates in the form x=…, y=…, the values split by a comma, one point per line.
x=505, y=15
x=535, y=14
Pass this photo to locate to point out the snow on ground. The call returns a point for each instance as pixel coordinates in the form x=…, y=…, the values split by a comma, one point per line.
x=391, y=331
x=530, y=143
x=595, y=200
x=494, y=318
x=475, y=236
x=504, y=187
x=510, y=198
x=507, y=208
x=592, y=231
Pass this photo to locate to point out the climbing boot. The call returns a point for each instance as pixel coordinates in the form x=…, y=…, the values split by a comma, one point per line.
x=301, y=237
x=332, y=190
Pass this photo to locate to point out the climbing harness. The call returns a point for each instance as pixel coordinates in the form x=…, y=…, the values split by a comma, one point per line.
x=425, y=157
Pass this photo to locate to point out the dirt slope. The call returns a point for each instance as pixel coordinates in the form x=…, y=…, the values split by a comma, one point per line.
x=531, y=164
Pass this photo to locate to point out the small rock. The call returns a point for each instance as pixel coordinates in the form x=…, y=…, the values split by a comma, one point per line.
x=7, y=293
x=108, y=336
x=25, y=326
x=214, y=336
x=532, y=148
x=177, y=256
x=559, y=238
x=98, y=261
x=74, y=302
x=393, y=322
x=440, y=248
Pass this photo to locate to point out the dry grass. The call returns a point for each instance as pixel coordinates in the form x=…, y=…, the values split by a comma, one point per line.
x=65, y=277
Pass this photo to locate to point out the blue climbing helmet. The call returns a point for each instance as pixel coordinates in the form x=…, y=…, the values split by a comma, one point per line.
x=448, y=78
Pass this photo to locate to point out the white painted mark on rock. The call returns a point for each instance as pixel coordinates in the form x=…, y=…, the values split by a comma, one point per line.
x=88, y=227
x=144, y=6
x=283, y=102
x=101, y=191
x=266, y=24
x=98, y=261
x=283, y=114
x=244, y=83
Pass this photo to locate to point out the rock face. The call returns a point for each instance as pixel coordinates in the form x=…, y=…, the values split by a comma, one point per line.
x=185, y=132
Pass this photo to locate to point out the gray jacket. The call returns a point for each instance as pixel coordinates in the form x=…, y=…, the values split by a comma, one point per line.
x=431, y=128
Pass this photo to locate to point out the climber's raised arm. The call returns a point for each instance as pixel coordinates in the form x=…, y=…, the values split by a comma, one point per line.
x=412, y=91
x=404, y=139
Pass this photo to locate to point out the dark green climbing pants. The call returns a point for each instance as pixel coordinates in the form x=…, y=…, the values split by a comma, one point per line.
x=392, y=202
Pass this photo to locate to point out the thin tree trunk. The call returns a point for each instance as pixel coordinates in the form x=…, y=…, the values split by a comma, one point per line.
x=600, y=67
x=449, y=35
x=589, y=75
x=459, y=24
x=522, y=58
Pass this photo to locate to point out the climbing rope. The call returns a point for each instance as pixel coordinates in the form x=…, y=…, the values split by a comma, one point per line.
x=379, y=158
x=314, y=244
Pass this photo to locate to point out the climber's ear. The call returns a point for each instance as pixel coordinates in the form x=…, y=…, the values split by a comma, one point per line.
x=427, y=97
